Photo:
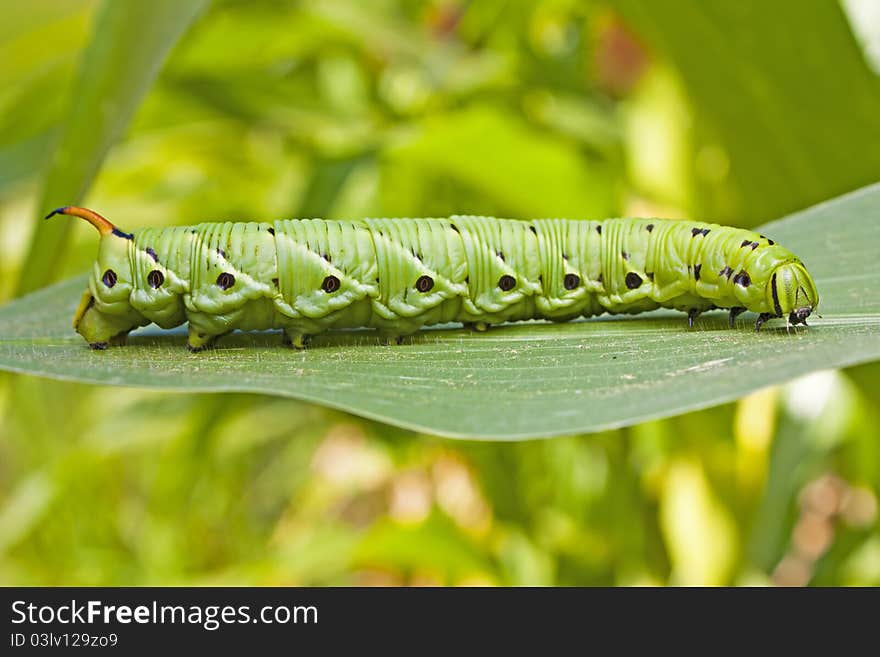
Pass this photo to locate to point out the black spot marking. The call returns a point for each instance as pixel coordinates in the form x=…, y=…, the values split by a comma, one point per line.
x=705, y=231
x=625, y=255
x=770, y=242
x=599, y=229
x=193, y=231
x=754, y=245
x=221, y=253
x=533, y=229
x=697, y=269
x=331, y=284
x=467, y=280
x=275, y=282
x=650, y=275
x=155, y=279
x=326, y=257
x=125, y=236
x=225, y=280
x=271, y=231
x=571, y=281
x=726, y=272
x=455, y=228
x=695, y=232
x=424, y=284
x=506, y=283
x=633, y=280
x=776, y=305
x=649, y=227
x=742, y=278
x=500, y=254
x=744, y=243
x=565, y=256
x=109, y=278
x=601, y=279
x=152, y=254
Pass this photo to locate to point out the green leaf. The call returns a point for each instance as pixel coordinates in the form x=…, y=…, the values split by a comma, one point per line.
x=782, y=117
x=129, y=43
x=516, y=381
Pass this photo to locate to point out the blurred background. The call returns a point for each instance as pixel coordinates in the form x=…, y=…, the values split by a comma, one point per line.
x=732, y=112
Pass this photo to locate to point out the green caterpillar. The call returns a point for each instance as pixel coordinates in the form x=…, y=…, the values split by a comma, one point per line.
x=398, y=275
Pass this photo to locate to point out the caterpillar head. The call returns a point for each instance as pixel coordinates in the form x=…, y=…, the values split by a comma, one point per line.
x=104, y=312
x=792, y=292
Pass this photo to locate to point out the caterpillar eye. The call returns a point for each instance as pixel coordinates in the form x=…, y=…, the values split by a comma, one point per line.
x=424, y=284
x=571, y=281
x=330, y=284
x=109, y=278
x=506, y=283
x=155, y=279
x=225, y=281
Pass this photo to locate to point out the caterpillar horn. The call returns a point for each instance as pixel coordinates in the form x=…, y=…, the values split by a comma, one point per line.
x=102, y=224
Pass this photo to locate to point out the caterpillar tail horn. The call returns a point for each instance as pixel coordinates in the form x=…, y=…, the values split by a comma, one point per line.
x=102, y=224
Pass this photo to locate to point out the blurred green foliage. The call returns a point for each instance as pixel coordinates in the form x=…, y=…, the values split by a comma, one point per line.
x=340, y=108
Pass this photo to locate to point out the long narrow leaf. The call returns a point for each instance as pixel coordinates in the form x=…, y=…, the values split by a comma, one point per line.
x=130, y=41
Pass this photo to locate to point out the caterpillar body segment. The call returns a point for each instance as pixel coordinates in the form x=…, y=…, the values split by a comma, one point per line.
x=397, y=275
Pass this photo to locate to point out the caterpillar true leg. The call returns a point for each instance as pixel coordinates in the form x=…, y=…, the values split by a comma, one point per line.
x=763, y=317
x=734, y=312
x=693, y=313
